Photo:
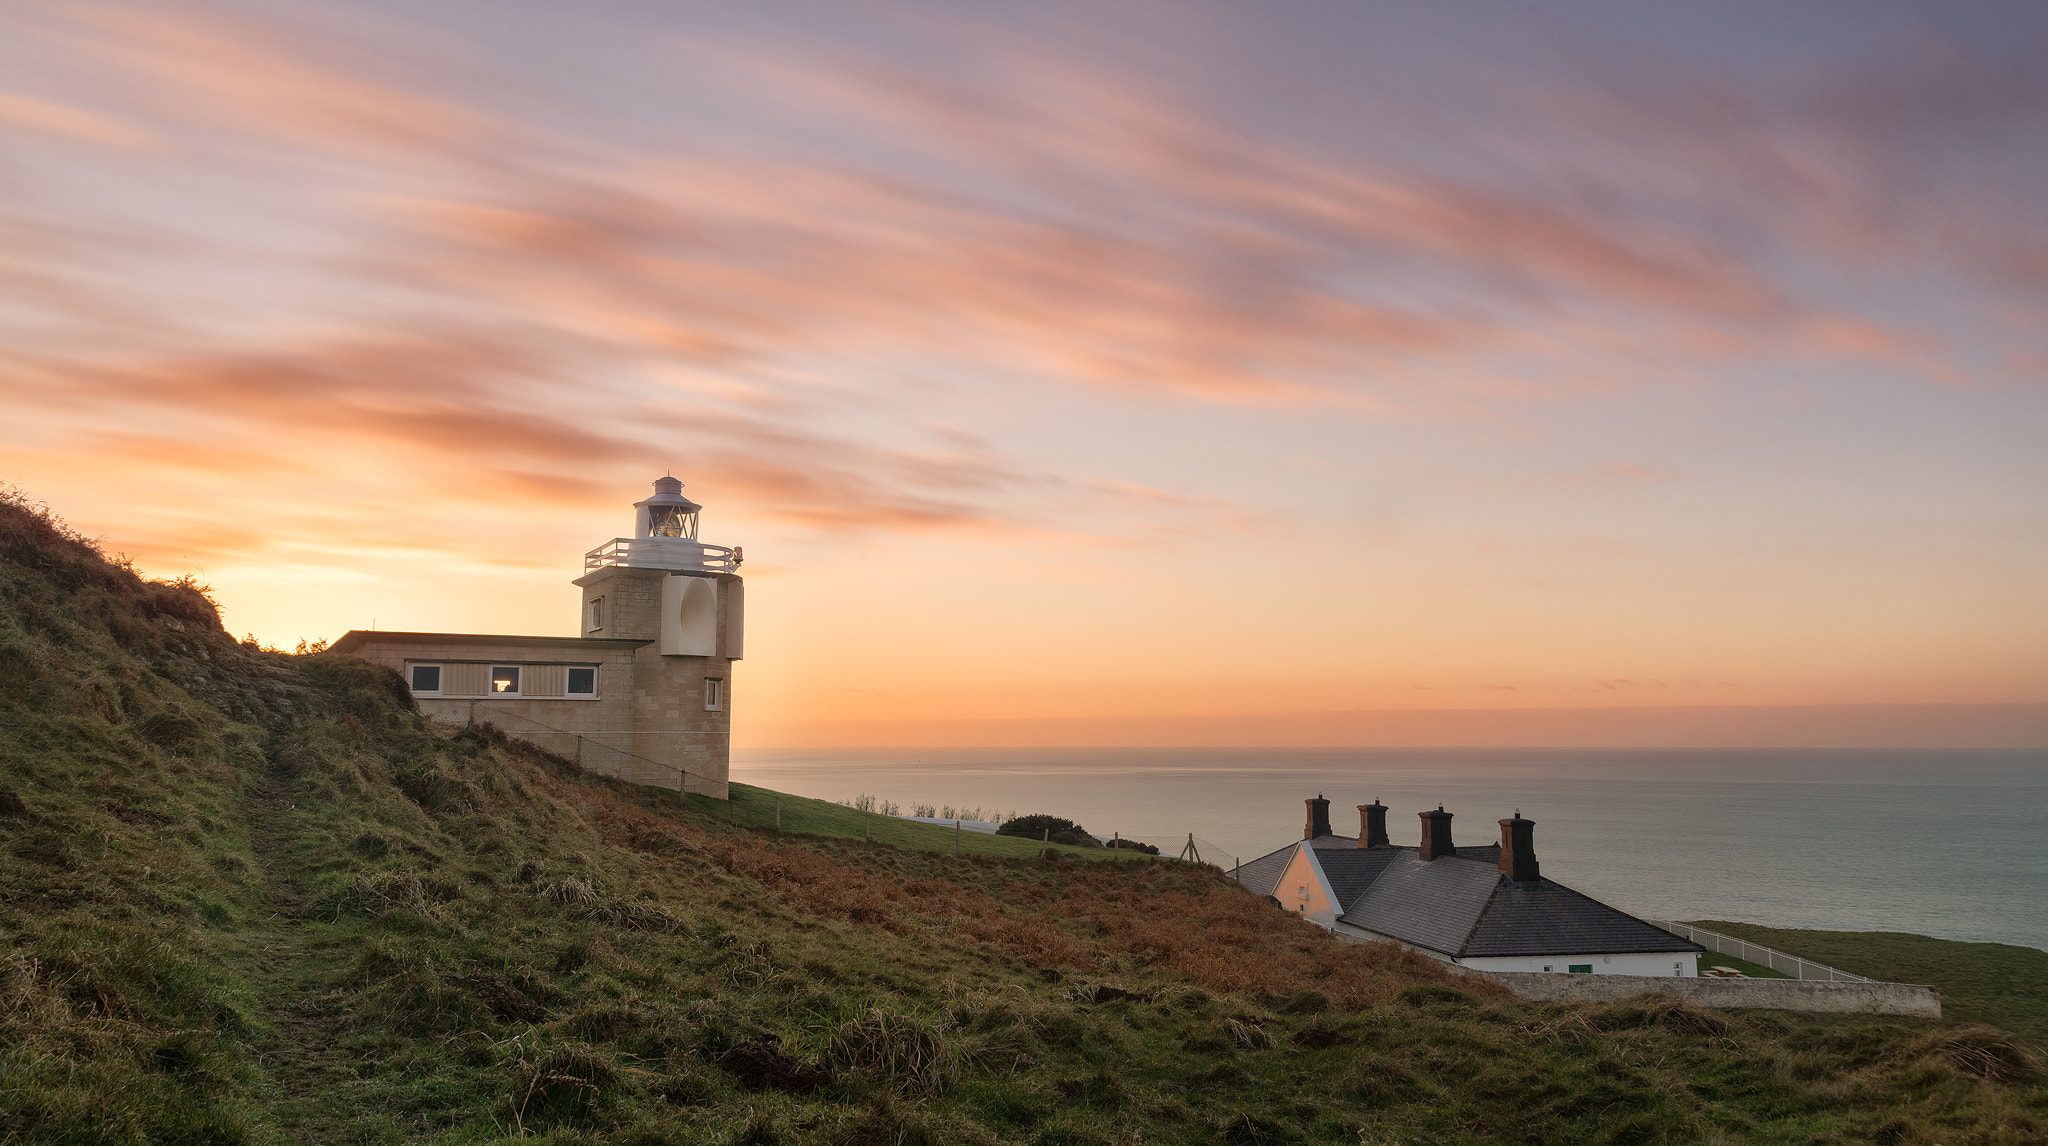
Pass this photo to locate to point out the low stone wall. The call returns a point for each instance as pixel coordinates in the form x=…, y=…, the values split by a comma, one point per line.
x=1818, y=996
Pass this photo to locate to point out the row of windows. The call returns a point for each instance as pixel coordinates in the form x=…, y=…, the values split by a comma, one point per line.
x=573, y=681
x=503, y=680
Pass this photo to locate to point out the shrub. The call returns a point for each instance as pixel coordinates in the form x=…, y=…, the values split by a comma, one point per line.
x=1037, y=826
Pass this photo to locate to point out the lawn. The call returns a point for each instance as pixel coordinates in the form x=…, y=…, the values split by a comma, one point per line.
x=1995, y=983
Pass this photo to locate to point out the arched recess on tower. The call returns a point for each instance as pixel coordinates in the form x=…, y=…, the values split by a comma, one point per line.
x=689, y=617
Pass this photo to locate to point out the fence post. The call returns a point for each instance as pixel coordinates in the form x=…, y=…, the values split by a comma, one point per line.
x=956, y=839
x=1044, y=843
x=867, y=824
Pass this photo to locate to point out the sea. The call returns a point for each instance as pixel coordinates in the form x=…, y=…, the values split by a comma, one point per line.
x=1952, y=844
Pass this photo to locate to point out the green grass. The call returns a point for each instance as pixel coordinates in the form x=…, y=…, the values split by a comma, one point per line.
x=249, y=897
x=754, y=807
x=1753, y=970
x=1995, y=983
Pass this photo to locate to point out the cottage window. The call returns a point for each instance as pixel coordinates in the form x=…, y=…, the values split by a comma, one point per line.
x=505, y=679
x=714, y=693
x=594, y=620
x=426, y=678
x=1580, y=968
x=582, y=682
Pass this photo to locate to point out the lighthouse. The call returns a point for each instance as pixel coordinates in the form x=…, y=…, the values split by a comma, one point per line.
x=642, y=692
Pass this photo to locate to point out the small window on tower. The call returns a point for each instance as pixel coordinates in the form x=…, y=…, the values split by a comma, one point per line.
x=505, y=679
x=426, y=678
x=582, y=682
x=714, y=693
x=594, y=619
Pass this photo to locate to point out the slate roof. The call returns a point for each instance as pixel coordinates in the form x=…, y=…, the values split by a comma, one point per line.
x=1545, y=918
x=1263, y=874
x=1461, y=904
x=1429, y=903
x=1352, y=870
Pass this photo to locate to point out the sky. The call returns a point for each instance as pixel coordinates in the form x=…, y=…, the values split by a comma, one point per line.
x=1153, y=372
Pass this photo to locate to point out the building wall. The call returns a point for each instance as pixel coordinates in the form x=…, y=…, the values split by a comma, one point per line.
x=1303, y=890
x=1678, y=964
x=668, y=716
x=1773, y=994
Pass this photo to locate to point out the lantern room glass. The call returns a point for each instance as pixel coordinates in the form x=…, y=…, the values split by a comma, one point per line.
x=671, y=521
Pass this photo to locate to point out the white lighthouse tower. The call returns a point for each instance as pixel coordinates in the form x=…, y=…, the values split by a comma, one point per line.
x=643, y=692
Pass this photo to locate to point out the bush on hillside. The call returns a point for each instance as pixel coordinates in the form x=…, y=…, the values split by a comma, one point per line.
x=1037, y=826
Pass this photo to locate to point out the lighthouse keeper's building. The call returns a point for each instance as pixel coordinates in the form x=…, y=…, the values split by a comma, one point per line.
x=644, y=692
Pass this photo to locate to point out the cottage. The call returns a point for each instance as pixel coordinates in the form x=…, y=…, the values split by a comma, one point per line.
x=1486, y=907
x=644, y=692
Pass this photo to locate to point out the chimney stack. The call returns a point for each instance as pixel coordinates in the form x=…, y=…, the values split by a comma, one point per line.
x=1518, y=849
x=1436, y=834
x=1372, y=826
x=1318, y=818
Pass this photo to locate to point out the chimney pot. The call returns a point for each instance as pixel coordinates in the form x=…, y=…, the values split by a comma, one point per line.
x=1436, y=834
x=1318, y=818
x=1518, y=849
x=1372, y=826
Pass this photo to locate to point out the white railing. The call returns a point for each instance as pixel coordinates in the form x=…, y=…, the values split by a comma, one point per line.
x=1776, y=960
x=662, y=553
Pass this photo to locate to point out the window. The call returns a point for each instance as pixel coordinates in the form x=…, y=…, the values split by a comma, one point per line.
x=1549, y=967
x=505, y=679
x=594, y=615
x=426, y=678
x=582, y=682
x=714, y=692
x=1580, y=968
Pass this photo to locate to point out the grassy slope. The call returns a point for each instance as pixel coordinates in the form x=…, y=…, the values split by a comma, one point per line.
x=755, y=808
x=1994, y=983
x=250, y=897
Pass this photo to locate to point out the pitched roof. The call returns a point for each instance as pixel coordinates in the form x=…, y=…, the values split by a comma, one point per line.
x=1263, y=874
x=1429, y=903
x=1352, y=870
x=1545, y=918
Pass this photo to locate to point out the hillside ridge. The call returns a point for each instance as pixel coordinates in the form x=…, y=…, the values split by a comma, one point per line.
x=254, y=897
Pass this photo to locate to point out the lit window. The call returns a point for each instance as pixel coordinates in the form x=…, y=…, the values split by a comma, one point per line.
x=426, y=678
x=582, y=682
x=714, y=692
x=594, y=620
x=505, y=679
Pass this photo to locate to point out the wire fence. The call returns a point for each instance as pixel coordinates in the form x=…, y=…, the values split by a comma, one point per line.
x=590, y=751
x=1776, y=960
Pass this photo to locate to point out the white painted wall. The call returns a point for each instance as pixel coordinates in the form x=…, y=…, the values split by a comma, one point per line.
x=1658, y=964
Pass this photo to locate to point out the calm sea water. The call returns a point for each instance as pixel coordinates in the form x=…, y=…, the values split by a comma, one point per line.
x=1950, y=844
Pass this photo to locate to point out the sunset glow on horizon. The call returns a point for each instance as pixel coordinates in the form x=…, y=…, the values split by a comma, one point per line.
x=1064, y=367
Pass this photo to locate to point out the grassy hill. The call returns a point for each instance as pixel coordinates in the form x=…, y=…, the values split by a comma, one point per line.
x=754, y=807
x=1994, y=983
x=251, y=897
